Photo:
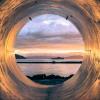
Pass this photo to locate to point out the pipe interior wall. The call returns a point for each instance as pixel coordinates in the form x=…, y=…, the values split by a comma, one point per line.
x=85, y=84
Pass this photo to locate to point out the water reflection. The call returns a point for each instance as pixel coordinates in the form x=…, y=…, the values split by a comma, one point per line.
x=56, y=69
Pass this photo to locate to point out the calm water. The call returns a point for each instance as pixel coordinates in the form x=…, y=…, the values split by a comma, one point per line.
x=57, y=69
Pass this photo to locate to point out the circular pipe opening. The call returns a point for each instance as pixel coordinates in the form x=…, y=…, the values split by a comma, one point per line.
x=49, y=49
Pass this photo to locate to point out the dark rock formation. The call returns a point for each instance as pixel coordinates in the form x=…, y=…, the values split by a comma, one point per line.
x=17, y=56
x=50, y=79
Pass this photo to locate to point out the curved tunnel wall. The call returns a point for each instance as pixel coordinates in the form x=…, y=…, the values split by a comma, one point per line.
x=84, y=85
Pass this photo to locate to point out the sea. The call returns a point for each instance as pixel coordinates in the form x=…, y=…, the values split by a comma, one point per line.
x=62, y=69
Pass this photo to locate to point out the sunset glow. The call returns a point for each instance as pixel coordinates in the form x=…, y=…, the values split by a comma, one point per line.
x=46, y=51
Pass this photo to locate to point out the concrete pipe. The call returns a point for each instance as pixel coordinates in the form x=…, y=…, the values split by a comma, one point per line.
x=85, y=14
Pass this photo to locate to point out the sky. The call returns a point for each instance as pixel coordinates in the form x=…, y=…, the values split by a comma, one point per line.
x=48, y=34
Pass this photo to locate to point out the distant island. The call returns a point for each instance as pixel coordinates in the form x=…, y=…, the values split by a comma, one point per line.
x=50, y=79
x=17, y=56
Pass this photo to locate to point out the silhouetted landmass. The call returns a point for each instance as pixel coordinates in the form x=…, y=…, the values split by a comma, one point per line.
x=19, y=56
x=50, y=79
